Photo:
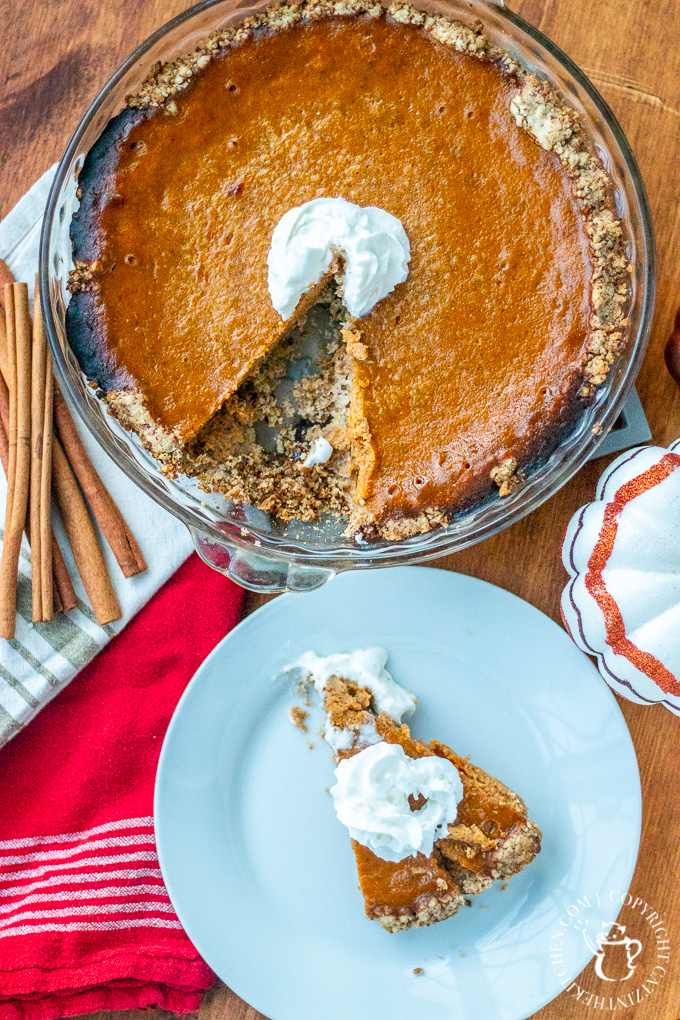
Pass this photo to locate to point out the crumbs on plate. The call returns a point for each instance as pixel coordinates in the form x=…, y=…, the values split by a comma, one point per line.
x=298, y=717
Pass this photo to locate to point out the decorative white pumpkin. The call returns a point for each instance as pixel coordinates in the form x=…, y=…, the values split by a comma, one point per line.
x=623, y=554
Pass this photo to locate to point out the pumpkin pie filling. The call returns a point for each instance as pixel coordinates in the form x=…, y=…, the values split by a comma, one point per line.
x=466, y=374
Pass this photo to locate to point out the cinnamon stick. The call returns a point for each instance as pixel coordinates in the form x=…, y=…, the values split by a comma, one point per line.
x=5, y=278
x=81, y=535
x=4, y=447
x=3, y=336
x=47, y=574
x=106, y=513
x=63, y=593
x=77, y=523
x=19, y=357
x=37, y=419
x=10, y=375
x=4, y=413
x=41, y=446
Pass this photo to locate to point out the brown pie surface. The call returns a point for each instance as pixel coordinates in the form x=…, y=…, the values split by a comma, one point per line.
x=465, y=376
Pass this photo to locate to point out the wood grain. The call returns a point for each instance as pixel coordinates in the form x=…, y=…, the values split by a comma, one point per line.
x=56, y=55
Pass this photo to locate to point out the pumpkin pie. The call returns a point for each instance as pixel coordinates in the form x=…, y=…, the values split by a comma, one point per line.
x=490, y=840
x=453, y=387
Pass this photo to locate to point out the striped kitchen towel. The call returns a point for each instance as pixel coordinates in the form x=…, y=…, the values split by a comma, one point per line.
x=80, y=881
x=44, y=657
x=86, y=923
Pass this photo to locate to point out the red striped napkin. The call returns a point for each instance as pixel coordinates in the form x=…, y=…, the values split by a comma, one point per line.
x=85, y=920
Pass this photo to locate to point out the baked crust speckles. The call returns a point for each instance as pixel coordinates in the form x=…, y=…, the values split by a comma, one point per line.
x=506, y=476
x=433, y=910
x=84, y=276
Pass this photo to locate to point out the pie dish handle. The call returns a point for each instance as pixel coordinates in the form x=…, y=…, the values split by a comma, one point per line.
x=257, y=572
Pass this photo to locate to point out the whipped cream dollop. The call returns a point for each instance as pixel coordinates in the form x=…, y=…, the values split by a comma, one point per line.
x=373, y=243
x=320, y=452
x=366, y=666
x=344, y=739
x=371, y=798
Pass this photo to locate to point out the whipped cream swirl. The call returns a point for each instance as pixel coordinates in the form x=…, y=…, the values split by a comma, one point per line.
x=373, y=243
x=371, y=798
x=366, y=666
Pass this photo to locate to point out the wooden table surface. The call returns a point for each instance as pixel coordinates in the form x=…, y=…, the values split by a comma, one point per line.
x=56, y=54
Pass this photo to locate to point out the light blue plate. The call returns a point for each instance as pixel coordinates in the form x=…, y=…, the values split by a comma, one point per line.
x=261, y=872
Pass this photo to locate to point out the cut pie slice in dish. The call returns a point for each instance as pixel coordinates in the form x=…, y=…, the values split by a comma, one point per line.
x=490, y=838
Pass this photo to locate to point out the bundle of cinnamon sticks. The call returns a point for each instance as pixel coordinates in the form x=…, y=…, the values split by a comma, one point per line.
x=42, y=454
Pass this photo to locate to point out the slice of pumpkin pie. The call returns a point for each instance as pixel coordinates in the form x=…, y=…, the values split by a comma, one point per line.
x=428, y=828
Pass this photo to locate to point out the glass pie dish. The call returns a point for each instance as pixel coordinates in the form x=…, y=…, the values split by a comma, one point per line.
x=260, y=551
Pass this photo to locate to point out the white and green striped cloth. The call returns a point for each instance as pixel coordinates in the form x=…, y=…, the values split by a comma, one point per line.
x=42, y=658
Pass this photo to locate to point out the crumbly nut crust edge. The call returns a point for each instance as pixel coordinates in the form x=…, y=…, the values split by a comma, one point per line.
x=436, y=909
